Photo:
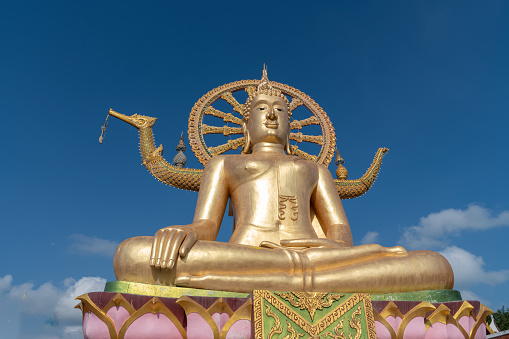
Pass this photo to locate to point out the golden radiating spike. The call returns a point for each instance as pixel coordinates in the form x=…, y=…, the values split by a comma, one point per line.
x=298, y=124
x=231, y=144
x=250, y=90
x=225, y=130
x=228, y=96
x=299, y=137
x=227, y=117
x=294, y=104
x=302, y=154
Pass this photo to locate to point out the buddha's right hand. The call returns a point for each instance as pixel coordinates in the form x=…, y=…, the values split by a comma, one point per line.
x=169, y=242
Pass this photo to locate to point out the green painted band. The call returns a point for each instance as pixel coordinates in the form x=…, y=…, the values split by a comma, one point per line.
x=166, y=291
x=432, y=296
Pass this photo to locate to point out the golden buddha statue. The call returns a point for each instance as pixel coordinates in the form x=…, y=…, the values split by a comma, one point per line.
x=290, y=229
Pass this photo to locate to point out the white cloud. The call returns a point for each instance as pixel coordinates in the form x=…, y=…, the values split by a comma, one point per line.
x=83, y=244
x=469, y=270
x=370, y=238
x=469, y=295
x=433, y=229
x=46, y=311
x=5, y=282
x=36, y=301
x=67, y=301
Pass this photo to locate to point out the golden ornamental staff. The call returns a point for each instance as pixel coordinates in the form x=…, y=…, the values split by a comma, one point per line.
x=103, y=129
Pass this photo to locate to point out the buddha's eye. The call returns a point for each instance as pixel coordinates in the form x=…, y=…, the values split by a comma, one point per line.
x=262, y=108
x=278, y=109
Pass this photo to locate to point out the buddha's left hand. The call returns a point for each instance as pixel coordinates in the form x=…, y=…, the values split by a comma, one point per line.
x=306, y=243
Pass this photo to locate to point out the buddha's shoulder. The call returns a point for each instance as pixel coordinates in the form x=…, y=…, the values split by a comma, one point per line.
x=236, y=160
x=222, y=160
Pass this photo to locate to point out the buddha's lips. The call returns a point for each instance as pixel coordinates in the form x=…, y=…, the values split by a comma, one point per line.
x=270, y=124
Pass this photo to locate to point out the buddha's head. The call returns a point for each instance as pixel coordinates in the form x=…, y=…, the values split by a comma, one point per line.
x=266, y=117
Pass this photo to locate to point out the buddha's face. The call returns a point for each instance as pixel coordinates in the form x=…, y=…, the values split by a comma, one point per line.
x=268, y=120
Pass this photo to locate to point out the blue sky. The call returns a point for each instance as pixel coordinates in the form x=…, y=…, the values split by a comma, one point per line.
x=427, y=79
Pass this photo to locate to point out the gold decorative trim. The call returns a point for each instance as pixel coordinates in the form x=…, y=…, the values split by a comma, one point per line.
x=153, y=306
x=220, y=306
x=311, y=301
x=203, y=107
x=87, y=305
x=261, y=295
x=418, y=311
x=391, y=310
x=465, y=310
x=381, y=320
x=191, y=306
x=276, y=328
x=484, y=311
x=244, y=312
x=190, y=178
x=119, y=300
x=443, y=315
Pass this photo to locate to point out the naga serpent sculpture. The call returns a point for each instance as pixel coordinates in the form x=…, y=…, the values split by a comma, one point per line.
x=189, y=178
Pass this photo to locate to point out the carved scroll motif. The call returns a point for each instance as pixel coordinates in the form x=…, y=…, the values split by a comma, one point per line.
x=294, y=207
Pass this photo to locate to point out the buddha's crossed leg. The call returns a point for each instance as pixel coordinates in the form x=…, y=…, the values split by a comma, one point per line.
x=222, y=266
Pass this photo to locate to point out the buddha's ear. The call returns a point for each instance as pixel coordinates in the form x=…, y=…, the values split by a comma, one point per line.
x=247, y=138
x=288, y=149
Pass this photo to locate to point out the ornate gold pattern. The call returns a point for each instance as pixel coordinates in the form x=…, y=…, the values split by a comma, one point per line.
x=265, y=298
x=299, y=137
x=441, y=314
x=354, y=323
x=391, y=310
x=225, y=92
x=225, y=130
x=294, y=207
x=242, y=313
x=349, y=189
x=86, y=305
x=190, y=178
x=385, y=323
x=153, y=306
x=116, y=301
x=219, y=306
x=276, y=328
x=231, y=144
x=183, y=178
x=311, y=301
x=292, y=334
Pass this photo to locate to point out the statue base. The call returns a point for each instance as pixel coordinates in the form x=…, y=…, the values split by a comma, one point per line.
x=133, y=310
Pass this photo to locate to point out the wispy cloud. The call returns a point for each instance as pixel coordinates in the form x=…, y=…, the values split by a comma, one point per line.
x=46, y=311
x=5, y=283
x=469, y=269
x=370, y=238
x=433, y=230
x=82, y=244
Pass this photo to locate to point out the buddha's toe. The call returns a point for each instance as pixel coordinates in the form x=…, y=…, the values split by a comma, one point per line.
x=397, y=250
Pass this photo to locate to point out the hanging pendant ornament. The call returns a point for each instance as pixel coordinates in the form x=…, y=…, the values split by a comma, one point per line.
x=103, y=129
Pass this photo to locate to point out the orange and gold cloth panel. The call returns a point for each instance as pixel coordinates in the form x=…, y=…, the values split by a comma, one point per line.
x=317, y=314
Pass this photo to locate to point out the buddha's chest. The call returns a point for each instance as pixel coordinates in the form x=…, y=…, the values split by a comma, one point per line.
x=285, y=175
x=272, y=195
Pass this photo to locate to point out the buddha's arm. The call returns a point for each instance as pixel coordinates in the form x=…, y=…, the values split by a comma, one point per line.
x=329, y=209
x=170, y=242
x=213, y=195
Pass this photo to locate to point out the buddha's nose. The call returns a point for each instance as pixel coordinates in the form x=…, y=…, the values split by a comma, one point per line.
x=271, y=115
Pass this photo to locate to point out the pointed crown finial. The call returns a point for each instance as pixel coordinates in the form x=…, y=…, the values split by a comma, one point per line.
x=264, y=87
